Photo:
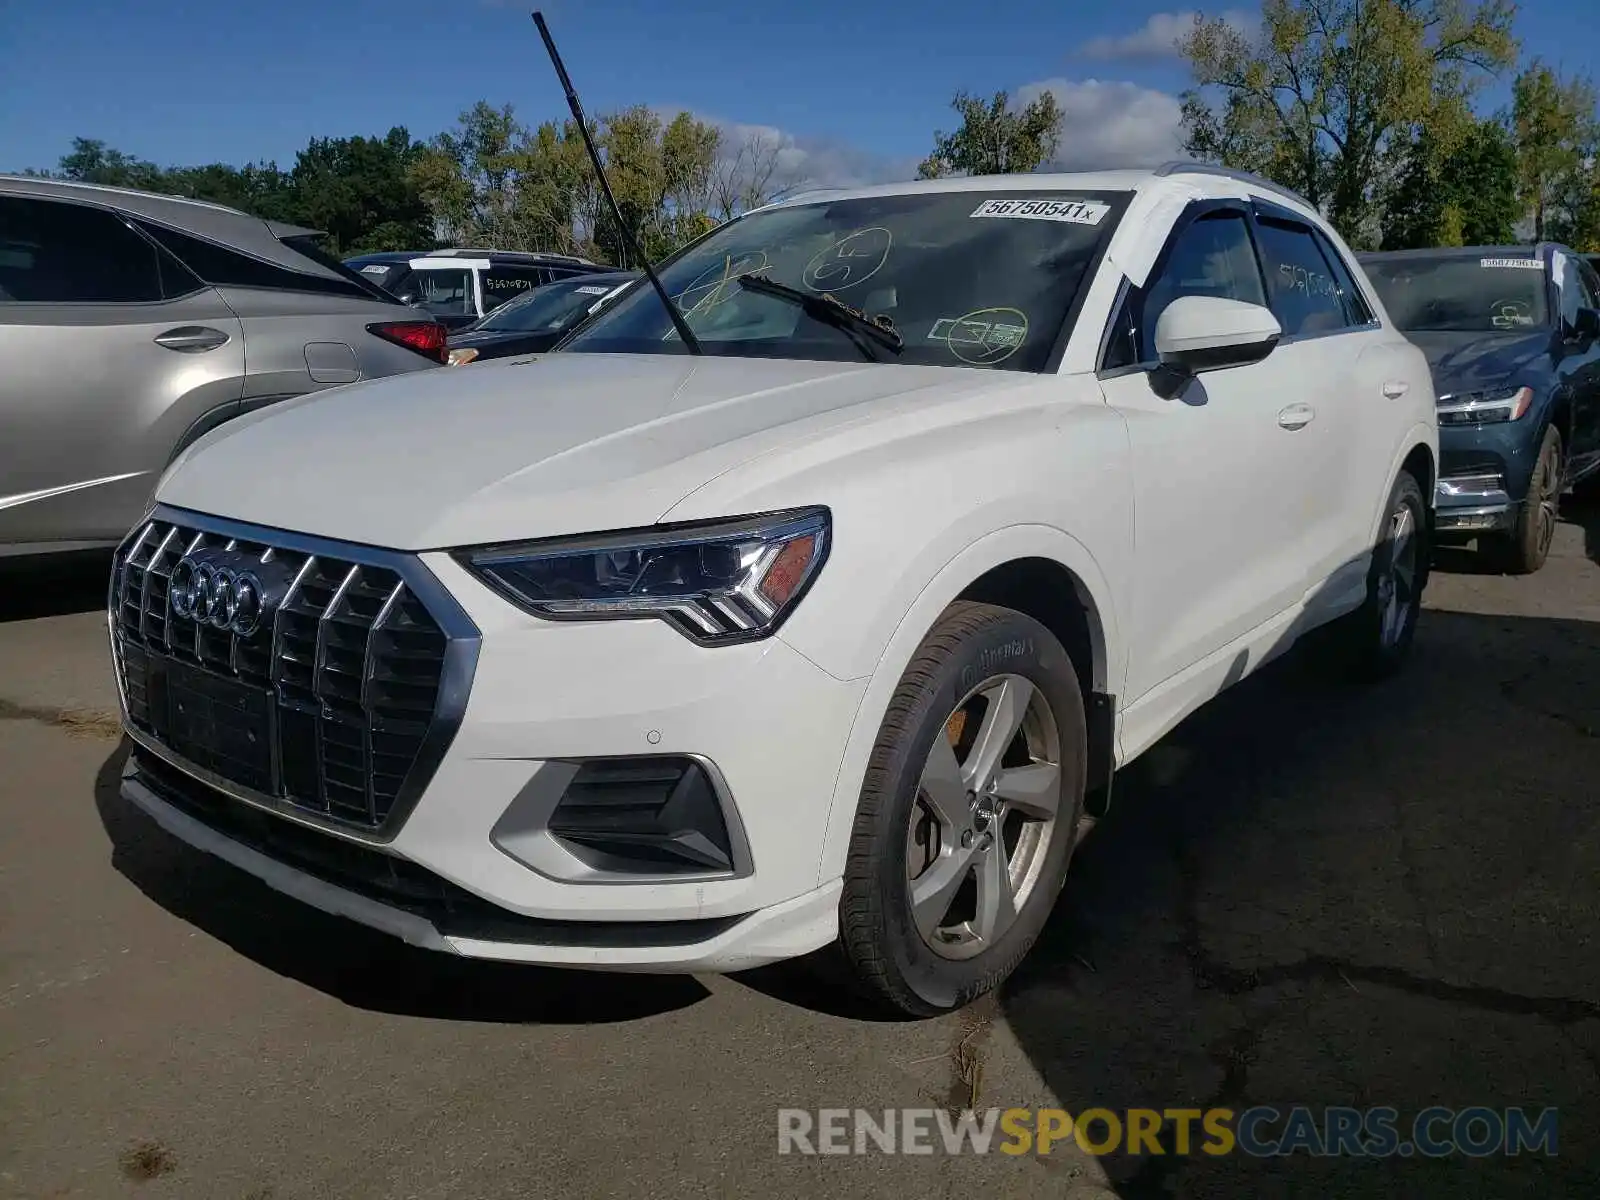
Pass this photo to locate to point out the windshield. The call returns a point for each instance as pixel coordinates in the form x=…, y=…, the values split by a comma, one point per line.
x=1461, y=293
x=978, y=279
x=548, y=309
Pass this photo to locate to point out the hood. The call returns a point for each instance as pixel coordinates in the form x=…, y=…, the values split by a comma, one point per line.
x=1475, y=362
x=523, y=448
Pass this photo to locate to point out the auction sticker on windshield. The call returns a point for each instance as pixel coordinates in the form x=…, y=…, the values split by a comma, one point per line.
x=1078, y=212
x=1526, y=264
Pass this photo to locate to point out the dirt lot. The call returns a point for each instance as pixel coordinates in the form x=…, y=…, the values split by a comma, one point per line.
x=1306, y=895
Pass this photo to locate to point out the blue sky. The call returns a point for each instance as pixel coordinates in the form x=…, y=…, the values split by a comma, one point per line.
x=853, y=91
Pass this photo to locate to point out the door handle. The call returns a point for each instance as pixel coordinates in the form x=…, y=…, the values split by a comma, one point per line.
x=192, y=339
x=1296, y=416
x=1396, y=388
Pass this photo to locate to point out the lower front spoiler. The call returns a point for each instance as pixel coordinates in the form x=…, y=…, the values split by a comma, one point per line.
x=783, y=931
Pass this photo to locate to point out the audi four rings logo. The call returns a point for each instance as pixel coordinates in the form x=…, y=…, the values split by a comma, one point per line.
x=222, y=597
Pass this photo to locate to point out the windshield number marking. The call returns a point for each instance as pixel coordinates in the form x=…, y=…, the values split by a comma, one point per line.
x=1524, y=264
x=1076, y=212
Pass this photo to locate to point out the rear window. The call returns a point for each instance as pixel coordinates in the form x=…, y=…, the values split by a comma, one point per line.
x=502, y=283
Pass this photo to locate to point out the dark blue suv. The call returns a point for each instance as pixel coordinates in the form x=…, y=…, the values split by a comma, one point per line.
x=1513, y=336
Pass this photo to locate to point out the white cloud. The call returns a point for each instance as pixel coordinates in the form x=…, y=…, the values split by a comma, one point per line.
x=1158, y=37
x=805, y=160
x=1111, y=123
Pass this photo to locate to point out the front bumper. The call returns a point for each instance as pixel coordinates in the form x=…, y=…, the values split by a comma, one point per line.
x=1473, y=504
x=770, y=724
x=1484, y=472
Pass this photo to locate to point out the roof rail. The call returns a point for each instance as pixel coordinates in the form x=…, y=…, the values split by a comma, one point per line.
x=1188, y=166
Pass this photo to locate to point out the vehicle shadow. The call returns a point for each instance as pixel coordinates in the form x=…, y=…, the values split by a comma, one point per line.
x=1585, y=514
x=53, y=585
x=1320, y=894
x=361, y=967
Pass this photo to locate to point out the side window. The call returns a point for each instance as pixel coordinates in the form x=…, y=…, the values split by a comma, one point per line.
x=1573, y=289
x=223, y=267
x=1305, y=296
x=506, y=283
x=55, y=253
x=1212, y=256
x=445, y=292
x=1591, y=285
x=1356, y=308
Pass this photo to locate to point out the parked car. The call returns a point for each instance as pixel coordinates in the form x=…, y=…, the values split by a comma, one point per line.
x=535, y=321
x=1513, y=337
x=829, y=622
x=460, y=286
x=131, y=324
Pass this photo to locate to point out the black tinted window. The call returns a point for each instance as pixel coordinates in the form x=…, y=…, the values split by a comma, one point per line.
x=1574, y=295
x=507, y=283
x=54, y=253
x=1305, y=295
x=1211, y=257
x=1464, y=293
x=1356, y=308
x=222, y=267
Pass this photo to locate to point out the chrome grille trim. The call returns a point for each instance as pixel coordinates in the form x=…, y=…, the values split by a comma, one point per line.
x=392, y=656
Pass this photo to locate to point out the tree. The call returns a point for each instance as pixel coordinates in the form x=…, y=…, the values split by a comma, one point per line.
x=1319, y=96
x=92, y=161
x=1555, y=124
x=995, y=138
x=1466, y=197
x=752, y=176
x=361, y=192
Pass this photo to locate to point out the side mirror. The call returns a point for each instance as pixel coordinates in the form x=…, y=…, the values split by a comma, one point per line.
x=1586, y=326
x=1208, y=333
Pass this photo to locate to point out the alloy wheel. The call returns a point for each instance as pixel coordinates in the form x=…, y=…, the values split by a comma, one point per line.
x=1544, y=493
x=1398, y=583
x=986, y=812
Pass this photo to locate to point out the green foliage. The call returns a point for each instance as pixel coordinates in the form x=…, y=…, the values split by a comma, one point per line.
x=358, y=190
x=489, y=181
x=1467, y=197
x=1321, y=94
x=1557, y=140
x=995, y=137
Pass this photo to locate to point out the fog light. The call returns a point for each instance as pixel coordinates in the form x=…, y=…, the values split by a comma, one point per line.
x=649, y=815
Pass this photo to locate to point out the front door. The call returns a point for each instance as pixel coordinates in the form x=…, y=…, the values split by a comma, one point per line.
x=1219, y=480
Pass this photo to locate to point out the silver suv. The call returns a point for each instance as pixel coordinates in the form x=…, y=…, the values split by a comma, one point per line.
x=131, y=324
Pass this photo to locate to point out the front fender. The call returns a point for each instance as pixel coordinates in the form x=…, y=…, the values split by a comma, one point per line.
x=913, y=621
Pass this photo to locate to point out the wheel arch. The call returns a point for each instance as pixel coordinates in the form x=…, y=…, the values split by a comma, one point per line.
x=1029, y=568
x=1419, y=455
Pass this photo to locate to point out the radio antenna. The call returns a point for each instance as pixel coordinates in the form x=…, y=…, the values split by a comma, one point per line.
x=673, y=312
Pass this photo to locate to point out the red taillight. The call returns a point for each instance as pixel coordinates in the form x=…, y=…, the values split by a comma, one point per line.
x=427, y=338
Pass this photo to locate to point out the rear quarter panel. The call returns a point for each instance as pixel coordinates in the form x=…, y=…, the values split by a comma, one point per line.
x=278, y=326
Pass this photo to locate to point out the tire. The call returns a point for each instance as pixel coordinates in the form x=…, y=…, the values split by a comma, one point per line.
x=917, y=818
x=1372, y=643
x=1524, y=550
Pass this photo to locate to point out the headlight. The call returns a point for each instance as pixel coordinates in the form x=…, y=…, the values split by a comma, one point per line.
x=728, y=581
x=1485, y=408
x=460, y=358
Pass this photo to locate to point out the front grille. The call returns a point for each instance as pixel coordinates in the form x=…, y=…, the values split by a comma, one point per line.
x=326, y=709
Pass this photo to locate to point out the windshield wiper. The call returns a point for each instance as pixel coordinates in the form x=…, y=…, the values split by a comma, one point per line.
x=833, y=312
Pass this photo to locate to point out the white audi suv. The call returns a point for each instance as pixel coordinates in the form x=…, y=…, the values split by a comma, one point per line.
x=820, y=614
